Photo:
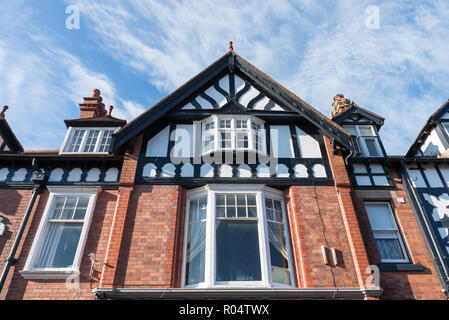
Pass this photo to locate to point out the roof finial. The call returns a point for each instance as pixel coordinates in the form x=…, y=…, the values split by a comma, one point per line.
x=110, y=110
x=2, y=114
x=230, y=48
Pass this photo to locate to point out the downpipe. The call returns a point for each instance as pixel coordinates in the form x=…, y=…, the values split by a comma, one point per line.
x=39, y=179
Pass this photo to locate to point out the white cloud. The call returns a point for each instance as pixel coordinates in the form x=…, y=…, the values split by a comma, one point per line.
x=43, y=84
x=315, y=49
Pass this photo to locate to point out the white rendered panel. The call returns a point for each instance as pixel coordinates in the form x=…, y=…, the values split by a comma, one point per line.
x=301, y=171
x=248, y=96
x=187, y=170
x=308, y=146
x=206, y=171
x=225, y=171
x=149, y=170
x=432, y=176
x=19, y=174
x=416, y=178
x=158, y=145
x=3, y=173
x=244, y=171
x=319, y=171
x=260, y=105
x=184, y=141
x=432, y=146
x=444, y=169
x=281, y=142
x=282, y=171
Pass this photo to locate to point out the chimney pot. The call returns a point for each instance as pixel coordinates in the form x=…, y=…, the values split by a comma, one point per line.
x=230, y=48
x=95, y=93
x=110, y=110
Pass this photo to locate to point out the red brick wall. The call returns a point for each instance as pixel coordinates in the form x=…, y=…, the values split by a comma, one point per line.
x=150, y=255
x=402, y=284
x=21, y=288
x=315, y=219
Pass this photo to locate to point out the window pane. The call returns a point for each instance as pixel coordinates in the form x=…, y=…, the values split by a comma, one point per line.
x=230, y=199
x=75, y=143
x=278, y=253
x=371, y=146
x=242, y=140
x=389, y=249
x=225, y=124
x=196, y=240
x=91, y=141
x=105, y=141
x=202, y=208
x=209, y=143
x=241, y=124
x=220, y=212
x=59, y=246
x=351, y=130
x=270, y=214
x=241, y=211
x=251, y=200
x=366, y=131
x=219, y=199
x=230, y=212
x=380, y=217
x=268, y=203
x=226, y=140
x=241, y=200
x=252, y=212
x=193, y=211
x=237, y=251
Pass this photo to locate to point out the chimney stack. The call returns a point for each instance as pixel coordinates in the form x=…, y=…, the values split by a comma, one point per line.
x=340, y=105
x=92, y=106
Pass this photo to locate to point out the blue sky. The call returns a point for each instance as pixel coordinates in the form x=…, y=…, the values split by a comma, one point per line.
x=137, y=52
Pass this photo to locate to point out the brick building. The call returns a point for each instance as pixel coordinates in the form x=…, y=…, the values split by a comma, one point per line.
x=230, y=187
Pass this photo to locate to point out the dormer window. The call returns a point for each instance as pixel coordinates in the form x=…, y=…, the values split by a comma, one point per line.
x=368, y=140
x=88, y=140
x=233, y=133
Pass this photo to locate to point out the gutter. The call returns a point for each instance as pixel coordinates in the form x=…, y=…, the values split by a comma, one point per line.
x=236, y=293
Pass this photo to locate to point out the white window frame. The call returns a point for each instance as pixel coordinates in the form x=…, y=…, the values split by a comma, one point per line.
x=261, y=192
x=233, y=130
x=394, y=231
x=71, y=131
x=362, y=142
x=28, y=271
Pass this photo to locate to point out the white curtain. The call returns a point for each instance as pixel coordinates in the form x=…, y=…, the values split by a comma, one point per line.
x=277, y=238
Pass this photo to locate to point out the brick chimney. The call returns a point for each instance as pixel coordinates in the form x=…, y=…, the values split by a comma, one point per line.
x=340, y=105
x=92, y=106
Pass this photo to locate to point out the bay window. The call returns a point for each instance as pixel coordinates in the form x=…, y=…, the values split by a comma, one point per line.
x=60, y=238
x=236, y=237
x=224, y=132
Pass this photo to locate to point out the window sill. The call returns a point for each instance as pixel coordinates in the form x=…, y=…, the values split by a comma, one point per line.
x=50, y=274
x=400, y=267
